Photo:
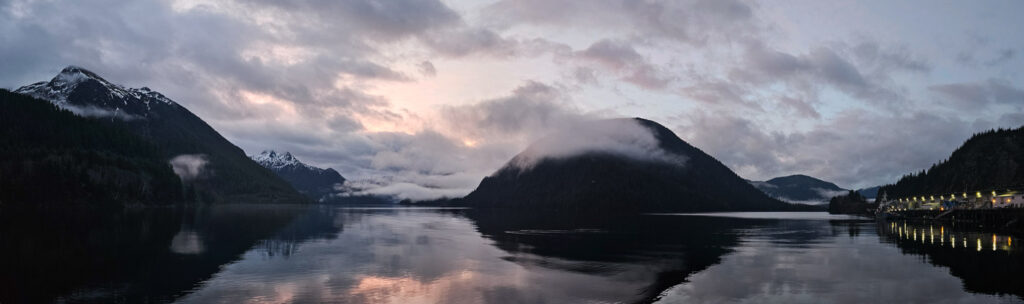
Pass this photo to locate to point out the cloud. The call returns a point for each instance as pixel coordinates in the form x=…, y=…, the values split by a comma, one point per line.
x=998, y=57
x=623, y=59
x=980, y=94
x=427, y=69
x=624, y=137
x=690, y=22
x=189, y=166
x=449, y=157
x=829, y=193
x=805, y=73
x=92, y=111
x=871, y=53
x=530, y=109
x=856, y=149
x=1002, y=56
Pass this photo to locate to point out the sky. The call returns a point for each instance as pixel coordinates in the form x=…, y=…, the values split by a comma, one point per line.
x=422, y=99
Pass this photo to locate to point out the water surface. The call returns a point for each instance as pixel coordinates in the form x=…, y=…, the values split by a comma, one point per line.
x=273, y=254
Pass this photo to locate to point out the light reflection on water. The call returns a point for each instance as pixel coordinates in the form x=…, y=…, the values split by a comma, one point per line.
x=858, y=266
x=983, y=240
x=421, y=255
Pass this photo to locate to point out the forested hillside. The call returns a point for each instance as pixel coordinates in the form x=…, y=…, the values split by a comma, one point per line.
x=987, y=161
x=50, y=156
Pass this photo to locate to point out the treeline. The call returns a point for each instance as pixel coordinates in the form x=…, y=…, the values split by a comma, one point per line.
x=851, y=203
x=49, y=156
x=989, y=160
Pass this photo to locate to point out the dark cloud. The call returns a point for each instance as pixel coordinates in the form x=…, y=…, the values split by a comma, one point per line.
x=376, y=20
x=800, y=106
x=1002, y=56
x=427, y=69
x=870, y=53
x=979, y=95
x=527, y=113
x=864, y=75
x=621, y=58
x=996, y=59
x=691, y=22
x=719, y=91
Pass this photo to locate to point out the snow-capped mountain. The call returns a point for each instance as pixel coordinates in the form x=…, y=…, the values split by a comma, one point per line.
x=87, y=94
x=270, y=159
x=227, y=175
x=314, y=182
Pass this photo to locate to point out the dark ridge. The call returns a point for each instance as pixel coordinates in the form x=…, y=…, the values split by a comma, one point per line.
x=599, y=181
x=798, y=187
x=987, y=161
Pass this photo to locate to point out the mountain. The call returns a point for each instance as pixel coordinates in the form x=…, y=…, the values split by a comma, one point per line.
x=626, y=174
x=314, y=182
x=869, y=192
x=992, y=160
x=211, y=168
x=799, y=188
x=50, y=156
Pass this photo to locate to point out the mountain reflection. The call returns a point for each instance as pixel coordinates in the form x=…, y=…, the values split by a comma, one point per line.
x=230, y=254
x=644, y=254
x=133, y=255
x=410, y=255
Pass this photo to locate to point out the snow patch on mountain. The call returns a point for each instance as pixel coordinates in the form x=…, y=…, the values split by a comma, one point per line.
x=62, y=86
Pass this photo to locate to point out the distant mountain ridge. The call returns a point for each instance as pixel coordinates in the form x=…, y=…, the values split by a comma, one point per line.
x=799, y=188
x=869, y=192
x=605, y=181
x=215, y=170
x=315, y=183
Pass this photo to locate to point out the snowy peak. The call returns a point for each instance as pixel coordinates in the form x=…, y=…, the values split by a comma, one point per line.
x=273, y=160
x=314, y=182
x=87, y=94
x=74, y=75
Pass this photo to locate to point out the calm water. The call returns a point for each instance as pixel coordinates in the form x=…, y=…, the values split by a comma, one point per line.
x=236, y=254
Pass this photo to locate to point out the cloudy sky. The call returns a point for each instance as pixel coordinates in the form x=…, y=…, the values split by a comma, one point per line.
x=424, y=98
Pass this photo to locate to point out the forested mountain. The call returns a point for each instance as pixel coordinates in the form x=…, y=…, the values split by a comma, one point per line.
x=606, y=181
x=799, y=188
x=315, y=183
x=212, y=168
x=990, y=160
x=52, y=156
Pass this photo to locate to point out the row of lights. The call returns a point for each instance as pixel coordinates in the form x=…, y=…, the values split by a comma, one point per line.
x=942, y=197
